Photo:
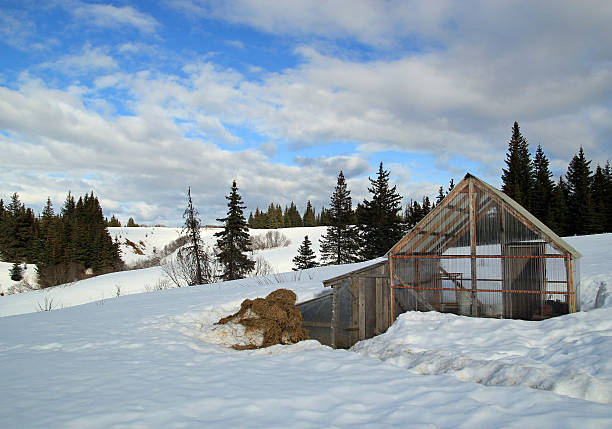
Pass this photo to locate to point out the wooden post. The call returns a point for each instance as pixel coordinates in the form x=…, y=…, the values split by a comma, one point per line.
x=380, y=305
x=472, y=220
x=569, y=267
x=502, y=251
x=391, y=297
x=334, y=314
x=362, y=305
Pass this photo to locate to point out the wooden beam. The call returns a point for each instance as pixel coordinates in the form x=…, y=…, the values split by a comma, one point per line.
x=569, y=266
x=446, y=201
x=391, y=271
x=362, y=308
x=473, y=247
x=426, y=234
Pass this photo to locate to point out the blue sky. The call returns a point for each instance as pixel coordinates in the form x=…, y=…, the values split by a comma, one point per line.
x=138, y=100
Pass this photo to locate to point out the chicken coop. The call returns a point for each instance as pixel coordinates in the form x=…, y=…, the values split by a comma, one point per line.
x=479, y=253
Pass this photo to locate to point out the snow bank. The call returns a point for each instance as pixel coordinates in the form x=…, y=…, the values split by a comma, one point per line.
x=156, y=360
x=569, y=355
x=145, y=361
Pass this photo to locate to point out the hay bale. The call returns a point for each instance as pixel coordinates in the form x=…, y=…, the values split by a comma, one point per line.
x=276, y=317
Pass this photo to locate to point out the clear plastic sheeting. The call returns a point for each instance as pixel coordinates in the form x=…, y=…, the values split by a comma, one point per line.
x=317, y=318
x=479, y=253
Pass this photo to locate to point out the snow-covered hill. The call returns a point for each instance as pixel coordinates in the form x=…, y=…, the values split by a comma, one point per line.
x=138, y=245
x=147, y=241
x=156, y=360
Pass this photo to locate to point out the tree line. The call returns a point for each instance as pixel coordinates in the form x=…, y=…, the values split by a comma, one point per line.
x=579, y=203
x=275, y=217
x=65, y=247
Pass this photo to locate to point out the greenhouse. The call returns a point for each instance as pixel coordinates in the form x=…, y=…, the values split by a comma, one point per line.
x=479, y=253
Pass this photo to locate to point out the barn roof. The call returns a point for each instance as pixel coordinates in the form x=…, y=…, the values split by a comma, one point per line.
x=449, y=220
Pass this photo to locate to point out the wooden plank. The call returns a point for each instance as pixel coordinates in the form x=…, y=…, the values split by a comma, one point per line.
x=443, y=219
x=334, y=321
x=473, y=247
x=362, y=307
x=447, y=200
x=570, y=285
x=317, y=324
x=380, y=318
x=391, y=308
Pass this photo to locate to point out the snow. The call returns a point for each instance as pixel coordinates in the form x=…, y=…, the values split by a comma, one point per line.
x=157, y=360
x=149, y=240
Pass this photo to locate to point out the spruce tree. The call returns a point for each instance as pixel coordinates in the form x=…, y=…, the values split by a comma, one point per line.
x=193, y=252
x=340, y=244
x=440, y=196
x=113, y=222
x=517, y=178
x=599, y=189
x=234, y=241
x=306, y=257
x=580, y=205
x=15, y=272
x=379, y=223
x=608, y=197
x=309, y=215
x=558, y=209
x=543, y=188
x=295, y=220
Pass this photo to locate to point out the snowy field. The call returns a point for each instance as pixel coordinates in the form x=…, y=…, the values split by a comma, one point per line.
x=148, y=241
x=157, y=360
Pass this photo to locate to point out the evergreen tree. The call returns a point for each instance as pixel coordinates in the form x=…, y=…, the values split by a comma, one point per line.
x=295, y=220
x=309, y=215
x=15, y=272
x=193, y=252
x=517, y=178
x=16, y=231
x=274, y=217
x=379, y=223
x=113, y=222
x=413, y=214
x=440, y=196
x=599, y=193
x=608, y=197
x=543, y=188
x=451, y=185
x=305, y=258
x=323, y=219
x=340, y=244
x=580, y=205
x=131, y=223
x=426, y=205
x=558, y=209
x=234, y=240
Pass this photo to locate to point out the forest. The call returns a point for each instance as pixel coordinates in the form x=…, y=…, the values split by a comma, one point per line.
x=75, y=242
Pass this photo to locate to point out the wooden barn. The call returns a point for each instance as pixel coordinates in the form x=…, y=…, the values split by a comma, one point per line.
x=478, y=253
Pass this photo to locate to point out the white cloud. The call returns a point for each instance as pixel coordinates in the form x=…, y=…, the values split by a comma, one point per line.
x=109, y=16
x=369, y=21
x=90, y=59
x=482, y=66
x=236, y=43
x=350, y=165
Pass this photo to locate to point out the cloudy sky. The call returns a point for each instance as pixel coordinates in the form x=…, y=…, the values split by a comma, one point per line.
x=136, y=100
